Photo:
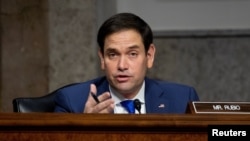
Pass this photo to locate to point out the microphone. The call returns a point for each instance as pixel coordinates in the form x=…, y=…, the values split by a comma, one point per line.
x=137, y=105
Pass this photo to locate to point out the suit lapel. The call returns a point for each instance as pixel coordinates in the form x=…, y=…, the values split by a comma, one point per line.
x=102, y=85
x=154, y=100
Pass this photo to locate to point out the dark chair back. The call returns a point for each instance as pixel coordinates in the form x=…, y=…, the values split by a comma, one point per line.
x=36, y=104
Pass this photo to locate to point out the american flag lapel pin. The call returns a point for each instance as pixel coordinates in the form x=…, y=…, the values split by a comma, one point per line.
x=161, y=106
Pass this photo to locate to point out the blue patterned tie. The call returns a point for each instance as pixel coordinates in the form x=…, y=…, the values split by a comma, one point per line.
x=129, y=106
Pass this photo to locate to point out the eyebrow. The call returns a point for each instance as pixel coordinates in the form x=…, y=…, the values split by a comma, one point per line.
x=134, y=47
x=114, y=49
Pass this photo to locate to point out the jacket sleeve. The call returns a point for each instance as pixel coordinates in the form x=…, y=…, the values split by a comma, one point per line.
x=61, y=103
x=193, y=95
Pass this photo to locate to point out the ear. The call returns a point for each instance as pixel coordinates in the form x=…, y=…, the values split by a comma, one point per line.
x=101, y=59
x=151, y=55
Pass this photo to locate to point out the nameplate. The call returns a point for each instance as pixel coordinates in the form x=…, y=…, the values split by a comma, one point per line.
x=220, y=107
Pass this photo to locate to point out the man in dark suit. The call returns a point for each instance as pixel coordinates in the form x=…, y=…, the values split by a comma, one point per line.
x=126, y=53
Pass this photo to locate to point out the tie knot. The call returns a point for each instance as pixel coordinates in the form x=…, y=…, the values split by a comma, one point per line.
x=129, y=106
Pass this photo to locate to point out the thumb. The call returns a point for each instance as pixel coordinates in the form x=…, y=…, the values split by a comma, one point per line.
x=93, y=89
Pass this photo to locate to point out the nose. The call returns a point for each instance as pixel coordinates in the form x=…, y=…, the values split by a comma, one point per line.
x=122, y=63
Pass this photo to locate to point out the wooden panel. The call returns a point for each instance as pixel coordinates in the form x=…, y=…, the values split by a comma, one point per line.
x=93, y=127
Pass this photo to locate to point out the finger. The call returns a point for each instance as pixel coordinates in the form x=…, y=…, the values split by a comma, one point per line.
x=90, y=103
x=104, y=96
x=92, y=95
x=93, y=88
x=106, y=106
x=109, y=109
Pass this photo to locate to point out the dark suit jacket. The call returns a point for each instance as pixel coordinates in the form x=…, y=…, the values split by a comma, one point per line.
x=160, y=96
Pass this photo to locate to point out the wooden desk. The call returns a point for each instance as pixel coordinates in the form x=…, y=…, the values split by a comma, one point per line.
x=107, y=127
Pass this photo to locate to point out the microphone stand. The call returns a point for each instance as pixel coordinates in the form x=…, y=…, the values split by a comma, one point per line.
x=137, y=105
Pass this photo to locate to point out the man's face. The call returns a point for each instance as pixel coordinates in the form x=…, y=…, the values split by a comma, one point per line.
x=125, y=62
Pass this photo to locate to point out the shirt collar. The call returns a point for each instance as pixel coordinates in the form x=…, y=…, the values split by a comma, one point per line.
x=118, y=97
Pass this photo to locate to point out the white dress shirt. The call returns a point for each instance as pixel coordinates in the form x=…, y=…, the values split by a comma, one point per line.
x=118, y=98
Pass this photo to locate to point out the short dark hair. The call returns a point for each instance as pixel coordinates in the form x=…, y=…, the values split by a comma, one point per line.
x=125, y=21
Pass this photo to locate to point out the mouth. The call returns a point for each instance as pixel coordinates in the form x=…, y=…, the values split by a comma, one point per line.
x=122, y=78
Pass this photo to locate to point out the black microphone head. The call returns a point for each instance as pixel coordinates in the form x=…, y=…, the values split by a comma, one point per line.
x=137, y=104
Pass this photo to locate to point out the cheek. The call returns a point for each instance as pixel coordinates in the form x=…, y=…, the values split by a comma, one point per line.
x=140, y=66
x=108, y=66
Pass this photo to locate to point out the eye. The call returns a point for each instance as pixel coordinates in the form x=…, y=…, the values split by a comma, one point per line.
x=112, y=55
x=133, y=54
